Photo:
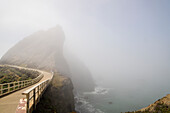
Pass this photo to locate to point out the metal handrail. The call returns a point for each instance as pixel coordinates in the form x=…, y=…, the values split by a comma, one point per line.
x=7, y=88
x=34, y=94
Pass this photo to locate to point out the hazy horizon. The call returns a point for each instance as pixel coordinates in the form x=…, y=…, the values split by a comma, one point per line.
x=121, y=42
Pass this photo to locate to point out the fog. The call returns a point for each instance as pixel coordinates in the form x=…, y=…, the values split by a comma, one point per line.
x=125, y=44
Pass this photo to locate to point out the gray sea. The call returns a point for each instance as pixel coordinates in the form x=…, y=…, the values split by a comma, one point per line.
x=110, y=100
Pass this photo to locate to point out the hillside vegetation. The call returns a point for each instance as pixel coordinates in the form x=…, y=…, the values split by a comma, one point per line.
x=160, y=106
x=12, y=74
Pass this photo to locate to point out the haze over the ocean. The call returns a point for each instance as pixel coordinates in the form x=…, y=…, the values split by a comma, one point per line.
x=121, y=41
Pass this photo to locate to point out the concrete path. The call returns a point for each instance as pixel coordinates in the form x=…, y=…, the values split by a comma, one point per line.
x=9, y=103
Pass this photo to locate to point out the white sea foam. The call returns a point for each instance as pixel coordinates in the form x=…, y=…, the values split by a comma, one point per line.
x=99, y=91
x=83, y=106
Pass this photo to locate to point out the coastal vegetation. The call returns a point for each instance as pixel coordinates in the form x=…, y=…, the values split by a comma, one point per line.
x=160, y=106
x=12, y=74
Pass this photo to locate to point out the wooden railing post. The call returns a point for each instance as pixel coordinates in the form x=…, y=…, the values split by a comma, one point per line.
x=27, y=96
x=8, y=87
x=24, y=83
x=18, y=85
x=34, y=104
x=14, y=86
x=0, y=90
x=38, y=93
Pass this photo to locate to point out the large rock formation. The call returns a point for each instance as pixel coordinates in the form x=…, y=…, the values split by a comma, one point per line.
x=58, y=98
x=81, y=75
x=44, y=50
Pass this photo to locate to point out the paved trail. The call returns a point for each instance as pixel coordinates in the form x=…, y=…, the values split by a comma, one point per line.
x=8, y=104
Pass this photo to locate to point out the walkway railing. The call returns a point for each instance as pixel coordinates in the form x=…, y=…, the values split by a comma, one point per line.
x=13, y=86
x=34, y=94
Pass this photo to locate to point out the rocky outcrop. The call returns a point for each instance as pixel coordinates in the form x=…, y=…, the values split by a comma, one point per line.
x=44, y=50
x=58, y=98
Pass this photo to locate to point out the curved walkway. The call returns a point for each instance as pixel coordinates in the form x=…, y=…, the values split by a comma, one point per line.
x=8, y=104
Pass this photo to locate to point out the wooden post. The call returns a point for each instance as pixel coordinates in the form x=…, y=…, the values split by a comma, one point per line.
x=0, y=90
x=14, y=86
x=27, y=96
x=41, y=86
x=21, y=84
x=24, y=83
x=38, y=93
x=8, y=87
x=34, y=105
x=18, y=85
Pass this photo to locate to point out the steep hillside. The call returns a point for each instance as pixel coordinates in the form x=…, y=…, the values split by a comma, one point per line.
x=81, y=76
x=44, y=50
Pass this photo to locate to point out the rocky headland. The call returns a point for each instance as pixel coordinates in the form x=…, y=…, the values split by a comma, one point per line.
x=44, y=50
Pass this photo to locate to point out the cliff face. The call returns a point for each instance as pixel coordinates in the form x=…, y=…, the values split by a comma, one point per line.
x=81, y=75
x=58, y=98
x=44, y=50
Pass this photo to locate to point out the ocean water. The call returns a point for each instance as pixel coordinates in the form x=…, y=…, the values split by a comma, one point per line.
x=109, y=100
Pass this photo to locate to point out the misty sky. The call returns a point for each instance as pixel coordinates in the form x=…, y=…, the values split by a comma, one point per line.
x=119, y=39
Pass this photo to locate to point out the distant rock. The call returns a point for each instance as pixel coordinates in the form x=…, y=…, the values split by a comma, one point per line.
x=110, y=102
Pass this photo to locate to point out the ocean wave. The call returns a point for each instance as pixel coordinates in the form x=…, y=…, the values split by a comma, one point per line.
x=83, y=106
x=99, y=91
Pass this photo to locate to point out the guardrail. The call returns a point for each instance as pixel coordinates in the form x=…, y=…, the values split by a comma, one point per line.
x=13, y=86
x=34, y=94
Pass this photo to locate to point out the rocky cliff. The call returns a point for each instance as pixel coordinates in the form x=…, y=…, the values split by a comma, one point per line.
x=81, y=75
x=44, y=50
x=58, y=98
